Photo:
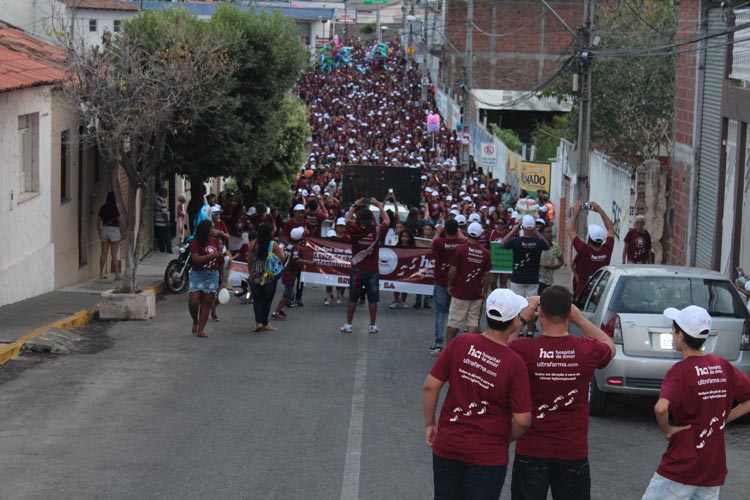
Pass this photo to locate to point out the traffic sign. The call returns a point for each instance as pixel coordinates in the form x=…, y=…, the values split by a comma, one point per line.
x=410, y=50
x=466, y=138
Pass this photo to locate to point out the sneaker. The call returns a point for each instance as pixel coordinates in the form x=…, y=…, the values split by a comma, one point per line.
x=374, y=329
x=417, y=305
x=292, y=304
x=327, y=302
x=278, y=316
x=299, y=304
x=404, y=305
x=338, y=301
x=395, y=305
x=427, y=306
x=436, y=352
x=346, y=328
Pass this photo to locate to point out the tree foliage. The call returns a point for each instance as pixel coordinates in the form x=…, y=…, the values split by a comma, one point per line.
x=508, y=137
x=547, y=135
x=255, y=136
x=632, y=95
x=155, y=77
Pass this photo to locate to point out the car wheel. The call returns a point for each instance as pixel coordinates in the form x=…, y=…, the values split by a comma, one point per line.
x=597, y=400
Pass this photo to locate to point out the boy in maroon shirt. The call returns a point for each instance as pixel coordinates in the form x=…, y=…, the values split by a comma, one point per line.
x=487, y=405
x=468, y=277
x=560, y=368
x=699, y=391
x=447, y=241
x=592, y=255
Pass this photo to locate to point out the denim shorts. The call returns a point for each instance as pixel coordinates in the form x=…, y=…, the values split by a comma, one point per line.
x=289, y=292
x=110, y=233
x=661, y=488
x=370, y=280
x=205, y=280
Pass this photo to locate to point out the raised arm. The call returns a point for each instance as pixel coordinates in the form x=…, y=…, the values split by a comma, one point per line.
x=607, y=222
x=570, y=227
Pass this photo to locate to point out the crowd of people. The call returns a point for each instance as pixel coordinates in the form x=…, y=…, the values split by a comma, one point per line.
x=502, y=387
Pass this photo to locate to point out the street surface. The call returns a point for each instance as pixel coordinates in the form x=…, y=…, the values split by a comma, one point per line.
x=147, y=411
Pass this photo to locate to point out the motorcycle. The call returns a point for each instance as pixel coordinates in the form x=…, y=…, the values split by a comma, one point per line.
x=177, y=274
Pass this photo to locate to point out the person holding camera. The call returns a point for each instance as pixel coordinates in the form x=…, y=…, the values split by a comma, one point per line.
x=364, y=276
x=596, y=252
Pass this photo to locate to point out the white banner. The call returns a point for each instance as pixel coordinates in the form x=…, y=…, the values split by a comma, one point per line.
x=385, y=285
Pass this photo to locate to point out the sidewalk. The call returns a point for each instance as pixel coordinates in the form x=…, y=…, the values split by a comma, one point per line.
x=67, y=307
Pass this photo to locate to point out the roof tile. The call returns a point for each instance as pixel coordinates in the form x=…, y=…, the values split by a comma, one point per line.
x=26, y=61
x=101, y=4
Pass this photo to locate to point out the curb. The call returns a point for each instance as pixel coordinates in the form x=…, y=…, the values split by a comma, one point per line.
x=80, y=318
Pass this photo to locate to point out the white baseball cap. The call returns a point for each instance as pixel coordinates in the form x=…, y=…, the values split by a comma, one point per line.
x=215, y=209
x=299, y=207
x=474, y=230
x=544, y=209
x=341, y=221
x=693, y=320
x=331, y=233
x=528, y=222
x=597, y=233
x=504, y=305
x=449, y=198
x=475, y=218
x=297, y=233
x=461, y=219
x=251, y=211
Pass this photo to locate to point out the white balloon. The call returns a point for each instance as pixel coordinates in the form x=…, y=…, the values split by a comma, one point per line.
x=223, y=296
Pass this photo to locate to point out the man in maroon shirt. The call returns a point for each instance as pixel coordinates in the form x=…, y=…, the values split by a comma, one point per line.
x=365, y=236
x=699, y=392
x=637, y=248
x=315, y=214
x=487, y=405
x=560, y=369
x=468, y=277
x=592, y=255
x=298, y=220
x=443, y=247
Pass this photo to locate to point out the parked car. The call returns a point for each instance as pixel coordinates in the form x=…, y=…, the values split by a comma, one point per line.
x=627, y=302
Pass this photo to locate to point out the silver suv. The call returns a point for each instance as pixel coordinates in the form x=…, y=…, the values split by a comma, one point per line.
x=627, y=302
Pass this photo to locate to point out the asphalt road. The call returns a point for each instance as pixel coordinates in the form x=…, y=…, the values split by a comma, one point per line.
x=148, y=411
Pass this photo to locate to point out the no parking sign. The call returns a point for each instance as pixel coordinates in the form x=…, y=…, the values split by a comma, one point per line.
x=488, y=156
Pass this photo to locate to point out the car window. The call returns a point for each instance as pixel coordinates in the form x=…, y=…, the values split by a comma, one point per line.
x=587, y=290
x=596, y=295
x=651, y=295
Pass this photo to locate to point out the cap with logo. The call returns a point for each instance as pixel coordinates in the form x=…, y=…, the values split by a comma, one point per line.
x=693, y=320
x=504, y=305
x=474, y=230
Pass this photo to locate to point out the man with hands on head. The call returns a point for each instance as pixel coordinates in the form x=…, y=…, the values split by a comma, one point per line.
x=527, y=245
x=596, y=252
x=487, y=405
x=554, y=452
x=365, y=236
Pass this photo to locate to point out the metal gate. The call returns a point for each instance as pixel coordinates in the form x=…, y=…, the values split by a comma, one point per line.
x=710, y=142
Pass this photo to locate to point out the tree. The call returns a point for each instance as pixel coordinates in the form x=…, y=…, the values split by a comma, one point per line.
x=155, y=77
x=243, y=138
x=508, y=137
x=633, y=87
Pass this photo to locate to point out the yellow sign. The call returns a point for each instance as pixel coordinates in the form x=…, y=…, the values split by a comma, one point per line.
x=410, y=50
x=535, y=176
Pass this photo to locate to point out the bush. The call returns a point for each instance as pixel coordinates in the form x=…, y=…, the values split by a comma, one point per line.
x=368, y=29
x=509, y=138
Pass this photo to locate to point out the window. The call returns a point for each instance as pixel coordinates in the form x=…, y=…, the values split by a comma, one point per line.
x=117, y=25
x=598, y=292
x=652, y=295
x=28, y=145
x=64, y=166
x=92, y=25
x=581, y=299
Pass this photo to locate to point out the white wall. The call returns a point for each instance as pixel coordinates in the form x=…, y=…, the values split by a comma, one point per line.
x=19, y=13
x=27, y=258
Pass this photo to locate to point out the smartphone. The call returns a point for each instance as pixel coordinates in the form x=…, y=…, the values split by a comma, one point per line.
x=367, y=202
x=740, y=272
x=587, y=206
x=390, y=190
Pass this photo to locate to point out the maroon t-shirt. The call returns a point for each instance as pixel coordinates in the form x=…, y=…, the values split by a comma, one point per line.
x=488, y=382
x=212, y=245
x=286, y=229
x=701, y=391
x=443, y=248
x=362, y=237
x=314, y=222
x=293, y=254
x=639, y=246
x=588, y=260
x=472, y=261
x=560, y=369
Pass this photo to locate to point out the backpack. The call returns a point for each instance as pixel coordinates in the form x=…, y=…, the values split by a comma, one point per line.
x=273, y=266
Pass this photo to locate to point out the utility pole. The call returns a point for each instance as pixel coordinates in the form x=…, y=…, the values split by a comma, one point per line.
x=584, y=112
x=467, y=79
x=410, y=47
x=377, y=24
x=425, y=53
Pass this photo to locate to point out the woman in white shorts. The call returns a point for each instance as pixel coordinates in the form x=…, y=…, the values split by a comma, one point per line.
x=108, y=224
